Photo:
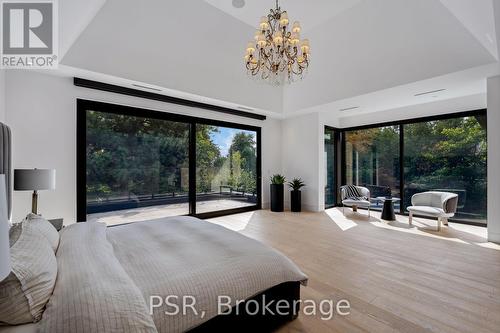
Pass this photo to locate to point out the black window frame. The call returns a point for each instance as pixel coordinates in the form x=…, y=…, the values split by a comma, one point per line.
x=342, y=144
x=83, y=105
x=337, y=152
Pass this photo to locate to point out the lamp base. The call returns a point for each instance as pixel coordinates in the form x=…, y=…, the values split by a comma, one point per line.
x=34, y=202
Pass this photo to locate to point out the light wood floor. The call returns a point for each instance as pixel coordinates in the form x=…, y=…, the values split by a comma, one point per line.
x=397, y=278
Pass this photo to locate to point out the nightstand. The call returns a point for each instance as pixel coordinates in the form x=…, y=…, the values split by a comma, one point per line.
x=57, y=223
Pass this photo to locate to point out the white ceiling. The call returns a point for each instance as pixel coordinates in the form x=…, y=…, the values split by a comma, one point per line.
x=74, y=16
x=372, y=53
x=478, y=17
x=187, y=46
x=309, y=13
x=377, y=45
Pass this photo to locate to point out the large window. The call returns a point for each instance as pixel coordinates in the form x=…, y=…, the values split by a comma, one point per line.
x=432, y=154
x=136, y=164
x=372, y=160
x=448, y=155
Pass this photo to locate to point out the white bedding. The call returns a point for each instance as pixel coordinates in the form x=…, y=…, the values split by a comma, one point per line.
x=187, y=256
x=106, y=276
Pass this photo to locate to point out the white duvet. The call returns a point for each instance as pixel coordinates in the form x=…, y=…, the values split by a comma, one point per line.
x=108, y=276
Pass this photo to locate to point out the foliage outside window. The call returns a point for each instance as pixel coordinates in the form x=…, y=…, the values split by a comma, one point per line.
x=372, y=160
x=439, y=155
x=134, y=161
x=449, y=155
x=226, y=164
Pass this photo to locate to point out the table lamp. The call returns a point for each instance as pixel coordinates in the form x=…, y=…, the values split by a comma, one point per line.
x=34, y=180
x=4, y=232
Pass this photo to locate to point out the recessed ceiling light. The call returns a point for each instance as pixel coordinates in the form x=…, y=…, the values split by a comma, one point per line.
x=351, y=108
x=238, y=3
x=144, y=87
x=429, y=92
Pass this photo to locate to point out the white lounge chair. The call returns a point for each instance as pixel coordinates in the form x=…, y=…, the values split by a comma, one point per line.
x=355, y=203
x=442, y=205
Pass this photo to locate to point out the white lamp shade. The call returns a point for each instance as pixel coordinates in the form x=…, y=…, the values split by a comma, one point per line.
x=34, y=179
x=4, y=232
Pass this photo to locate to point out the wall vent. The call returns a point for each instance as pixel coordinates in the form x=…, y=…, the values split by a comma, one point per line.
x=349, y=109
x=429, y=92
x=245, y=108
x=144, y=87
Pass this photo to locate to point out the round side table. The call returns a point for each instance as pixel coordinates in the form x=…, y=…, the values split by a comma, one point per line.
x=388, y=210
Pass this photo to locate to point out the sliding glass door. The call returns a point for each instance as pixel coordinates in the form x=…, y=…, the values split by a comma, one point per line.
x=226, y=168
x=372, y=161
x=136, y=164
x=400, y=159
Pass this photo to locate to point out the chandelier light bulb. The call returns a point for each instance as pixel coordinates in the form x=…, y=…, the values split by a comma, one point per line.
x=261, y=41
x=296, y=27
x=250, y=47
x=284, y=19
x=258, y=32
x=305, y=46
x=278, y=37
x=264, y=23
x=295, y=38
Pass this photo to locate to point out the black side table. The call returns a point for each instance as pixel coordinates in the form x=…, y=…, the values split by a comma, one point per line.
x=388, y=210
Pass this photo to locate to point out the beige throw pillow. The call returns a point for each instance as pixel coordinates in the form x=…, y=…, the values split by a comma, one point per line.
x=24, y=293
x=45, y=228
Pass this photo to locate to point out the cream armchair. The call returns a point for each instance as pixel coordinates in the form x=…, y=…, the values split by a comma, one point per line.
x=442, y=205
x=355, y=203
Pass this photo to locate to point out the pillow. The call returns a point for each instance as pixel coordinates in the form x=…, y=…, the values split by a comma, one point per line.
x=44, y=228
x=24, y=293
x=352, y=191
x=93, y=291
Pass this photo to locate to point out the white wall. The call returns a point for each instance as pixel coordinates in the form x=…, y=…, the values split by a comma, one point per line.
x=2, y=95
x=42, y=116
x=493, y=159
x=466, y=103
x=302, y=158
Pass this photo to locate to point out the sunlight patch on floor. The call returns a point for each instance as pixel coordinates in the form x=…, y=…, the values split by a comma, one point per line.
x=237, y=222
x=470, y=229
x=340, y=220
x=489, y=245
x=416, y=231
x=162, y=211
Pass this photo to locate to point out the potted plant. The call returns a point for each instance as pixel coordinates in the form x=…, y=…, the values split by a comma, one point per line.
x=277, y=193
x=295, y=195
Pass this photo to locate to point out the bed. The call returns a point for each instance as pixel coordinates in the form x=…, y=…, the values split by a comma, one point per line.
x=132, y=277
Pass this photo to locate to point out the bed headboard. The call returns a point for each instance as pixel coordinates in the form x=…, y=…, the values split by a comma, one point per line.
x=6, y=163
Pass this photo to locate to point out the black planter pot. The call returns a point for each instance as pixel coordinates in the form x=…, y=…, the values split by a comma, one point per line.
x=277, y=198
x=295, y=201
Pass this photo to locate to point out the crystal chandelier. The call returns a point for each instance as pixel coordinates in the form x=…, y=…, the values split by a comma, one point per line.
x=277, y=55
